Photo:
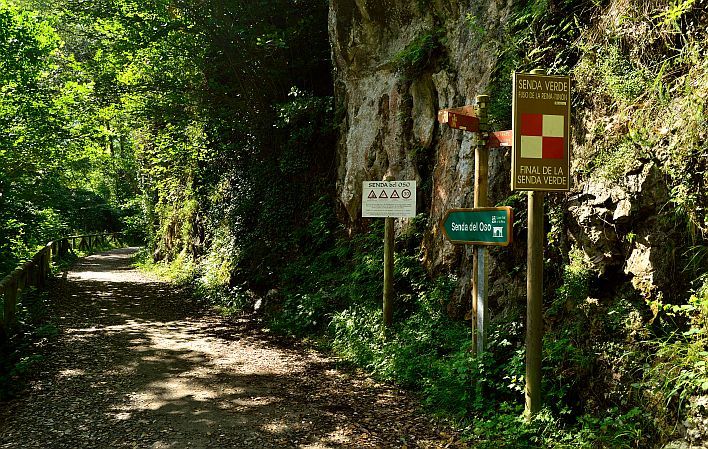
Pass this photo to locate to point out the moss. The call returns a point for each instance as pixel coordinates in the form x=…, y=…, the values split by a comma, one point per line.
x=421, y=54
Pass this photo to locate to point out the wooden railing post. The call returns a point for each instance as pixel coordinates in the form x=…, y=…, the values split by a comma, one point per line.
x=34, y=275
x=42, y=268
x=9, y=307
x=47, y=261
x=36, y=271
x=2, y=316
x=39, y=261
x=22, y=280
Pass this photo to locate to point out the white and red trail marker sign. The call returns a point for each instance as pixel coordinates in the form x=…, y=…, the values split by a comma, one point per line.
x=541, y=133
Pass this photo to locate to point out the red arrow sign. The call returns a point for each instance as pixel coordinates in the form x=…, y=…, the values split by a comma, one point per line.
x=500, y=139
x=464, y=118
x=460, y=118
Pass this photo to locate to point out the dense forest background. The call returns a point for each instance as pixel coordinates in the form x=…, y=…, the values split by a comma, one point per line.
x=220, y=133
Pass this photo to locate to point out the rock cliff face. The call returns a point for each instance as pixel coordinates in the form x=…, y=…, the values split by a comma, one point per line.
x=390, y=125
x=391, y=117
x=390, y=128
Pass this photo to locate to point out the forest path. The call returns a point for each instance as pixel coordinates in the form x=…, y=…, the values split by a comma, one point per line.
x=137, y=364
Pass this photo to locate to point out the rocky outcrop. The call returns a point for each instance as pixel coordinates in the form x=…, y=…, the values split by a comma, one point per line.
x=390, y=129
x=694, y=427
x=391, y=117
x=625, y=226
x=390, y=126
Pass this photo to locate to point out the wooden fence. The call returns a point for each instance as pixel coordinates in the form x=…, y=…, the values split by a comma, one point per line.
x=36, y=271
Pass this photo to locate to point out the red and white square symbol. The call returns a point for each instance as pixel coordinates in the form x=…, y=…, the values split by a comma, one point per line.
x=542, y=136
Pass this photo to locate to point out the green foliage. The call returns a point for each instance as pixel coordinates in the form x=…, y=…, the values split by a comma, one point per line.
x=508, y=429
x=677, y=369
x=698, y=305
x=652, y=85
x=426, y=351
x=13, y=373
x=477, y=29
x=22, y=355
x=181, y=270
x=329, y=276
x=61, y=172
x=621, y=80
x=539, y=35
x=675, y=11
x=575, y=288
x=420, y=54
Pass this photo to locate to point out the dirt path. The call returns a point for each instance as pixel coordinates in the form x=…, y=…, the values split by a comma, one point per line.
x=138, y=365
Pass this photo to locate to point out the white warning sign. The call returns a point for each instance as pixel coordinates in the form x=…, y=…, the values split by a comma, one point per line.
x=395, y=199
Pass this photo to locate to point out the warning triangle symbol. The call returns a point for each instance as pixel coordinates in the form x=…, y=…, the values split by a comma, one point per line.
x=395, y=194
x=383, y=194
x=372, y=195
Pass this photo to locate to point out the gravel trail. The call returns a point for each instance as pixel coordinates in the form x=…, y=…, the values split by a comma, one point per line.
x=139, y=365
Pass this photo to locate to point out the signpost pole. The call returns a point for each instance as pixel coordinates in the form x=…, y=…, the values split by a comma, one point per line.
x=388, y=269
x=534, y=304
x=482, y=314
x=481, y=188
x=534, y=299
x=388, y=273
x=388, y=199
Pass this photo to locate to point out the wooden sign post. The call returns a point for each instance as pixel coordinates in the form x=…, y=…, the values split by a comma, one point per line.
x=388, y=271
x=482, y=227
x=540, y=138
x=481, y=198
x=475, y=120
x=388, y=199
x=540, y=163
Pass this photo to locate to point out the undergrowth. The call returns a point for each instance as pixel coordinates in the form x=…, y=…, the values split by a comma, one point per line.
x=614, y=377
x=22, y=354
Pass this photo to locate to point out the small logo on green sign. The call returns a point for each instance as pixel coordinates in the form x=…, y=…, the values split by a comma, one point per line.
x=480, y=226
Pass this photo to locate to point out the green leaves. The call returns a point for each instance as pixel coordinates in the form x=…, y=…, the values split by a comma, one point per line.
x=57, y=147
x=420, y=54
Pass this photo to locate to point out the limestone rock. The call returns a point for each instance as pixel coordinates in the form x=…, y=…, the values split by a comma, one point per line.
x=696, y=423
x=389, y=128
x=424, y=111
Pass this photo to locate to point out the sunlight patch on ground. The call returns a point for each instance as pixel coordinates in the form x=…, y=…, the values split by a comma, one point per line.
x=108, y=276
x=122, y=416
x=275, y=427
x=96, y=268
x=161, y=393
x=130, y=325
x=69, y=372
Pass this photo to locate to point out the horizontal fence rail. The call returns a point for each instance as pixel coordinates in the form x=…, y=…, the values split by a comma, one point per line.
x=36, y=271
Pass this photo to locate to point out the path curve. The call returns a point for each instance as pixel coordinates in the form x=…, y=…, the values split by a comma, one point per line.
x=138, y=365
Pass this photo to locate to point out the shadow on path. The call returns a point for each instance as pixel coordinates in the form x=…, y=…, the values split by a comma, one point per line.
x=138, y=364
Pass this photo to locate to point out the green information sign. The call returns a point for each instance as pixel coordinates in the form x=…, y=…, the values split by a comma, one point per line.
x=480, y=226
